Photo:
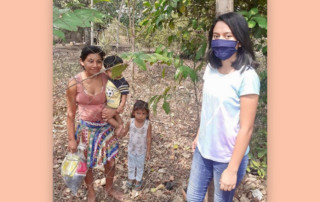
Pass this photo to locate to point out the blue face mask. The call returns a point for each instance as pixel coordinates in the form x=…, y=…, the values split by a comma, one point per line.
x=223, y=49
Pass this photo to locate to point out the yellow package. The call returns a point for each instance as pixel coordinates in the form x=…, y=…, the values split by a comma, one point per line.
x=69, y=164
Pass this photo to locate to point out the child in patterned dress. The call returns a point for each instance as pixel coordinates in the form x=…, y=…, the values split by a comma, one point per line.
x=139, y=147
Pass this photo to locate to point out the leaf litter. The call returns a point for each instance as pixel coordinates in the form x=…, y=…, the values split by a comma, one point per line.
x=166, y=173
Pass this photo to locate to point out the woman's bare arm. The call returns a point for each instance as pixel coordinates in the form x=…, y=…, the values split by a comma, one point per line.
x=71, y=113
x=248, y=108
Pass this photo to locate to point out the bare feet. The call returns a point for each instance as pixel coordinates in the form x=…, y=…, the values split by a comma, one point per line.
x=116, y=194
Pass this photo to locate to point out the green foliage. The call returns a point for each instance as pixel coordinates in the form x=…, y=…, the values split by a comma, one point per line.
x=258, y=24
x=162, y=56
x=118, y=69
x=258, y=144
x=185, y=24
x=65, y=19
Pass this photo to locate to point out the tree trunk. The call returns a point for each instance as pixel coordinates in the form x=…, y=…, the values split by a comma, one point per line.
x=132, y=5
x=119, y=17
x=91, y=30
x=222, y=6
x=133, y=26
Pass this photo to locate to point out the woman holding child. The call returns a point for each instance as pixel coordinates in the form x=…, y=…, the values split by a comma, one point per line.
x=86, y=92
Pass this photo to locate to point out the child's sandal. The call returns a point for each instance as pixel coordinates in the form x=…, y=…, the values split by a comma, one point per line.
x=138, y=186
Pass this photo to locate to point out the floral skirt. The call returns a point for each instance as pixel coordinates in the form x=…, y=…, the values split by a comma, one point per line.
x=101, y=144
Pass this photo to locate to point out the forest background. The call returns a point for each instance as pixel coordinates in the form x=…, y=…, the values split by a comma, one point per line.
x=165, y=43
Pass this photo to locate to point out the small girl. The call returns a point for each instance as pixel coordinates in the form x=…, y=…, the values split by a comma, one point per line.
x=139, y=128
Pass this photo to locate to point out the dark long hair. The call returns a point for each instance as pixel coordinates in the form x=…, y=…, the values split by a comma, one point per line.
x=89, y=50
x=140, y=104
x=240, y=30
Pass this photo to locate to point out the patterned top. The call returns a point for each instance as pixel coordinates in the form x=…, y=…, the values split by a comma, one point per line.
x=114, y=89
x=138, y=138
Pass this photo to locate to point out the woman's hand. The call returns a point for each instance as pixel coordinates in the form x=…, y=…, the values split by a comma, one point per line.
x=228, y=180
x=72, y=146
x=108, y=113
x=194, y=143
x=148, y=156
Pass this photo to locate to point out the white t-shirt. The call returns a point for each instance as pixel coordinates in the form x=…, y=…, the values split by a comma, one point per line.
x=220, y=116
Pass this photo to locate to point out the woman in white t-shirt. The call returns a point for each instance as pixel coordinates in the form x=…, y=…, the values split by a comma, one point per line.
x=230, y=98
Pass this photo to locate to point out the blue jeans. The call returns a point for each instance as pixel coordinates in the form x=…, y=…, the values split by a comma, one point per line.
x=202, y=172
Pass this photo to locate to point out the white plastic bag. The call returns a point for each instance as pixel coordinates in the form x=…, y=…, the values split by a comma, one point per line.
x=74, y=169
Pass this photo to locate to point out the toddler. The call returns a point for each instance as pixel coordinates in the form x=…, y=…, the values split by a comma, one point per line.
x=139, y=128
x=116, y=92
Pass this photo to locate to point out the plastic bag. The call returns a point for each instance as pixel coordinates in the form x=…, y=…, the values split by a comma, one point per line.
x=74, y=169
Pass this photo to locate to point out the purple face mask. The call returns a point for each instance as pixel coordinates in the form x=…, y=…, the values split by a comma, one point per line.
x=223, y=49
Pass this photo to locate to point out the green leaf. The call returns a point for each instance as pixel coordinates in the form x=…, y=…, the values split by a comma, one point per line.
x=166, y=106
x=144, y=22
x=171, y=24
x=118, y=69
x=178, y=73
x=176, y=63
x=87, y=15
x=141, y=64
x=159, y=49
x=261, y=154
x=251, y=24
x=262, y=21
x=194, y=24
x=146, y=4
x=264, y=50
x=182, y=8
x=155, y=103
x=55, y=13
x=202, y=50
x=67, y=21
x=152, y=99
x=257, y=33
x=145, y=57
x=170, y=38
x=255, y=163
x=165, y=52
x=165, y=92
x=186, y=35
x=127, y=55
x=163, y=72
x=98, y=1
x=156, y=4
x=193, y=75
x=254, y=11
x=175, y=146
x=161, y=57
x=244, y=13
x=59, y=34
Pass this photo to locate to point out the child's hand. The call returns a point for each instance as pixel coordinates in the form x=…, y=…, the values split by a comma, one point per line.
x=148, y=156
x=120, y=109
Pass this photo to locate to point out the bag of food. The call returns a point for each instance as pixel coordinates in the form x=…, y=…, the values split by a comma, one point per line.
x=74, y=169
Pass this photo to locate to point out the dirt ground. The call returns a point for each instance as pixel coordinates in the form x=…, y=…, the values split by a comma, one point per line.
x=172, y=135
